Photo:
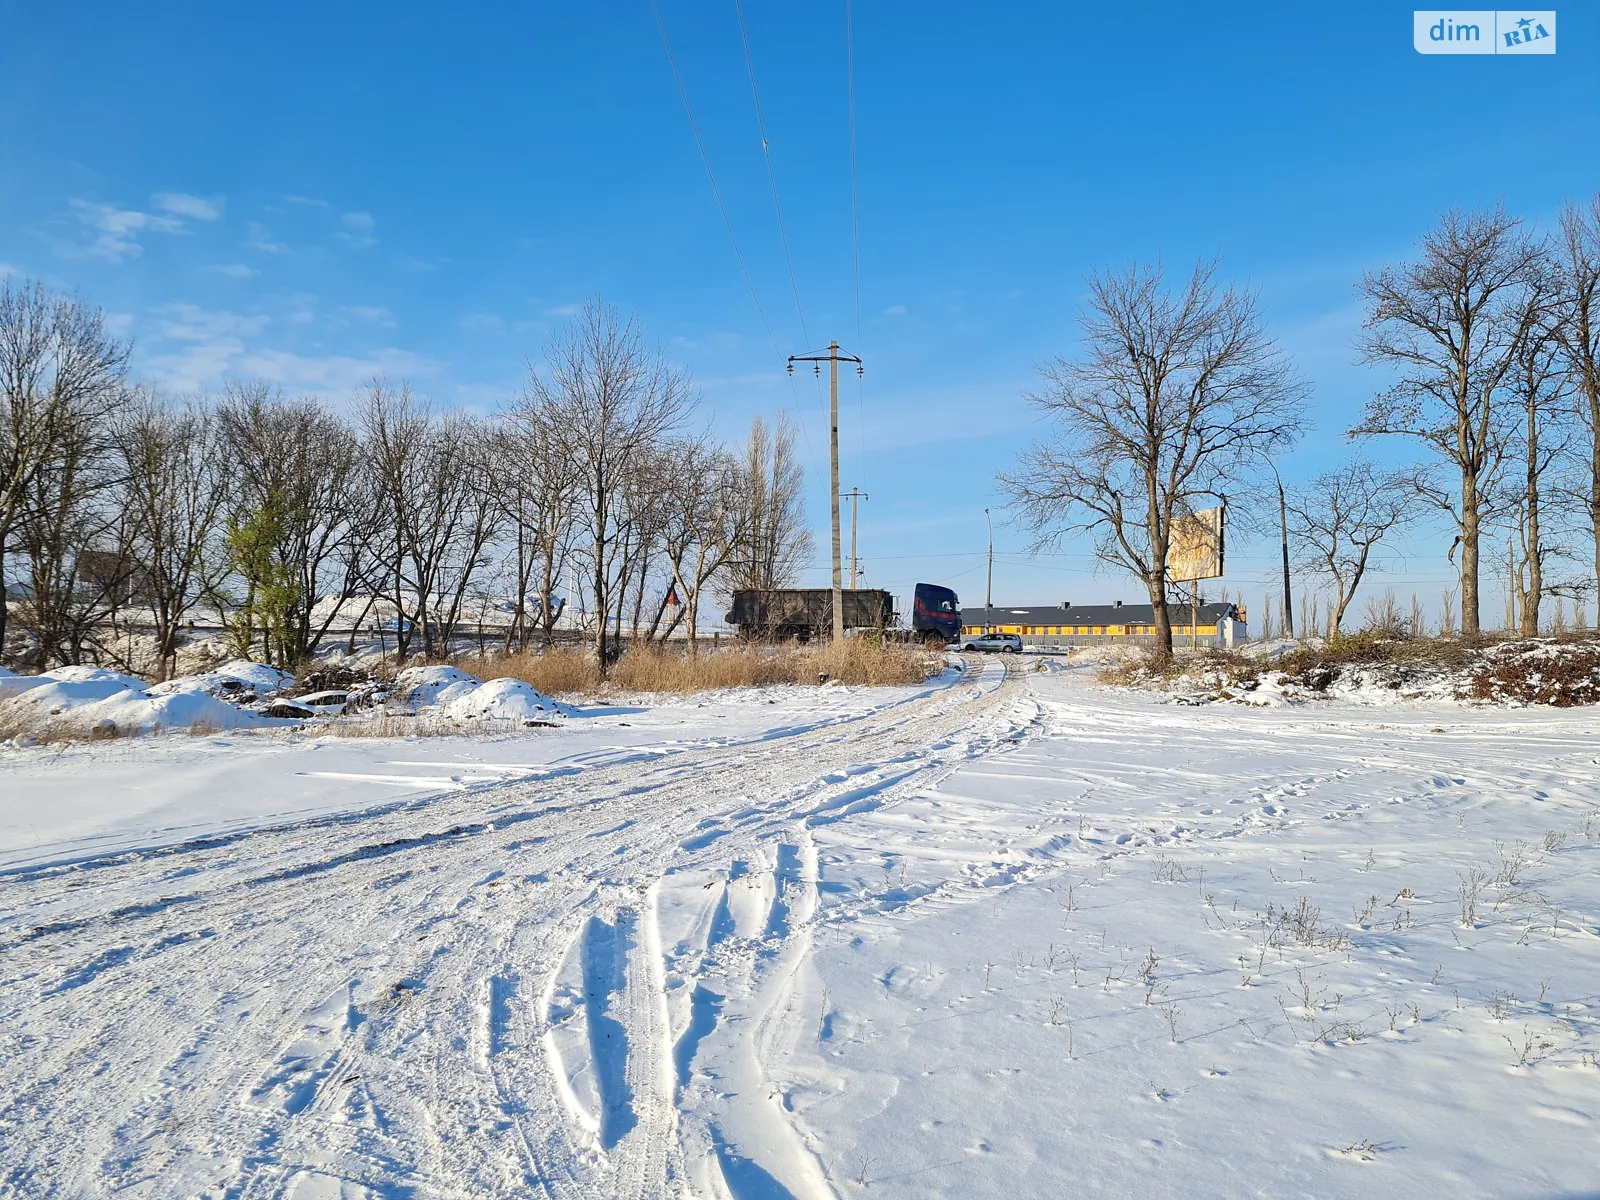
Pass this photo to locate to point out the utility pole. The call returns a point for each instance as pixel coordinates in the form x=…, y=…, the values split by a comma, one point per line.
x=988, y=588
x=833, y=358
x=855, y=496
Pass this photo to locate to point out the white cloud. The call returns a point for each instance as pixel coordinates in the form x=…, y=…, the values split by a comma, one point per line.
x=357, y=231
x=564, y=310
x=307, y=201
x=372, y=314
x=334, y=375
x=261, y=239
x=204, y=347
x=118, y=324
x=191, y=323
x=895, y=310
x=184, y=205
x=302, y=316
x=195, y=366
x=114, y=232
x=483, y=322
x=235, y=270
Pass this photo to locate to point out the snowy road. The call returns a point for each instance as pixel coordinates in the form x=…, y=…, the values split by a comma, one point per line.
x=1020, y=936
x=469, y=995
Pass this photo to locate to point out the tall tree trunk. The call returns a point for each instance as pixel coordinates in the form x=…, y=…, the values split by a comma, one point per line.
x=1470, y=626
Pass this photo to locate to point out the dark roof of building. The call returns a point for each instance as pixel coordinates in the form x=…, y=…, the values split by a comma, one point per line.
x=1090, y=614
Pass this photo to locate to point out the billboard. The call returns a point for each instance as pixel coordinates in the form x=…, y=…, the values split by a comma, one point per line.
x=1195, y=546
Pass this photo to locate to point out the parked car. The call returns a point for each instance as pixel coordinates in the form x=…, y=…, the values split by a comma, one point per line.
x=994, y=643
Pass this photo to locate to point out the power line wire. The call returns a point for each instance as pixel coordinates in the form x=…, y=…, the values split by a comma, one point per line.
x=772, y=176
x=727, y=222
x=855, y=223
x=705, y=158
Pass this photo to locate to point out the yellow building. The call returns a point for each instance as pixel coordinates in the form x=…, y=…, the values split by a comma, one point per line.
x=1066, y=625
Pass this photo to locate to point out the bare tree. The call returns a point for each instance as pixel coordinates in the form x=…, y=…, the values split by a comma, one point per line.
x=1177, y=391
x=1578, y=265
x=706, y=507
x=617, y=401
x=1538, y=387
x=171, y=463
x=439, y=512
x=59, y=371
x=1337, y=519
x=537, y=480
x=296, y=463
x=774, y=541
x=75, y=540
x=1450, y=326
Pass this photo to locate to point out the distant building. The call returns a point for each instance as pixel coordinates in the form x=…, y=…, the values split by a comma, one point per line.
x=1065, y=625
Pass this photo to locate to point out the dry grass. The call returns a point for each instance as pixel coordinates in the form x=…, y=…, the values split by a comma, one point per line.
x=554, y=672
x=656, y=668
x=648, y=668
x=22, y=723
x=391, y=723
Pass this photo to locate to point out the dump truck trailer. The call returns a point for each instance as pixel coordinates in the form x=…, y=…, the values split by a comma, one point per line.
x=800, y=614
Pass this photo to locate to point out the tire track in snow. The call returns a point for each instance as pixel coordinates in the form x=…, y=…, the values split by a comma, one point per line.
x=408, y=1100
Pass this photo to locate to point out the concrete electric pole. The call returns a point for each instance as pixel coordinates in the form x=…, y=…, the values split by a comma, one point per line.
x=855, y=496
x=988, y=588
x=833, y=358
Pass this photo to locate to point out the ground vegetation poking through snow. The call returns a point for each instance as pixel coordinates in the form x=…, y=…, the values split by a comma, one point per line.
x=77, y=702
x=1016, y=935
x=649, y=667
x=1558, y=671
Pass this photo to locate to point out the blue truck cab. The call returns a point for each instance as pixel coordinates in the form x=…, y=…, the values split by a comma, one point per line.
x=935, y=614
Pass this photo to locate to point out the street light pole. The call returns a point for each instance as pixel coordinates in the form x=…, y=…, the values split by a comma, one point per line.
x=833, y=358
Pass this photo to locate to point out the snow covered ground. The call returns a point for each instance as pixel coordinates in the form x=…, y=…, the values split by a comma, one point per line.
x=1013, y=936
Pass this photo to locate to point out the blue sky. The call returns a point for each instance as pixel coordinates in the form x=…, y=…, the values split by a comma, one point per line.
x=333, y=191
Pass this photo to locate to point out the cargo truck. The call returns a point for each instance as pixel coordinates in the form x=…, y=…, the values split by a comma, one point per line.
x=800, y=614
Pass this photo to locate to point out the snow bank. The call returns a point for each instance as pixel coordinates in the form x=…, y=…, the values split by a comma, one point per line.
x=11, y=683
x=238, y=675
x=69, y=688
x=453, y=693
x=425, y=687
x=85, y=699
x=147, y=713
x=503, y=700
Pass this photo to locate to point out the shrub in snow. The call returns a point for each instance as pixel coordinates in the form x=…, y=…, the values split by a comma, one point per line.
x=503, y=700
x=1560, y=674
x=424, y=687
x=239, y=682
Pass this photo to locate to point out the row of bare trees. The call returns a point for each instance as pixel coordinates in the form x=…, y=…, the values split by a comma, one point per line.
x=1490, y=343
x=125, y=514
